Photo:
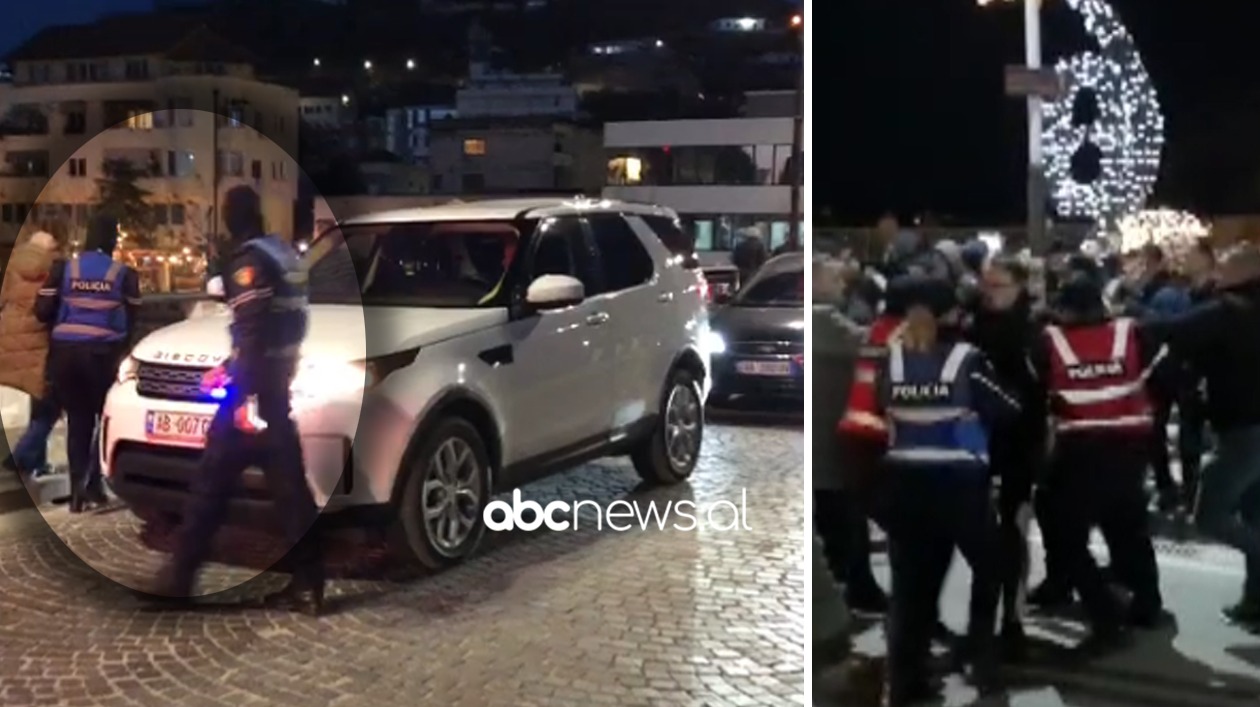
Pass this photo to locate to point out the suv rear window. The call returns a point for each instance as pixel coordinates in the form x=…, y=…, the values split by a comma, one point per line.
x=672, y=235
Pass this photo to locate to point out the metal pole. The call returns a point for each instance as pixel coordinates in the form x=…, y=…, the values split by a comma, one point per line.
x=214, y=161
x=798, y=158
x=1036, y=164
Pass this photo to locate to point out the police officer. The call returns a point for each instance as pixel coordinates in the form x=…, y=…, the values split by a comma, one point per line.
x=940, y=398
x=266, y=290
x=91, y=302
x=1096, y=369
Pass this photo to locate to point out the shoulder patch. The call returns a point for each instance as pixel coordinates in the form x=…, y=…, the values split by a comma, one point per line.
x=244, y=276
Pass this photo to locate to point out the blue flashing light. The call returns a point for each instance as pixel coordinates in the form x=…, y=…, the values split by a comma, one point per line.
x=218, y=393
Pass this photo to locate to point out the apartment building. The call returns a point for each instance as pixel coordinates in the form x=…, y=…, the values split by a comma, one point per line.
x=181, y=104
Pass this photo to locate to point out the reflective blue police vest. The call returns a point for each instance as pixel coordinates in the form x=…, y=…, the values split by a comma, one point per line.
x=289, y=296
x=930, y=415
x=92, y=301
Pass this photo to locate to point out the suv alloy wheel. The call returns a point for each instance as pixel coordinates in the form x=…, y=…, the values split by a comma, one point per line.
x=444, y=497
x=670, y=454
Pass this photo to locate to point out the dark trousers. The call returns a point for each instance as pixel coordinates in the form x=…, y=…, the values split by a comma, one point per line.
x=846, y=538
x=1102, y=482
x=1014, y=516
x=1160, y=460
x=30, y=454
x=932, y=512
x=1192, y=442
x=1047, y=503
x=229, y=452
x=1229, y=499
x=81, y=376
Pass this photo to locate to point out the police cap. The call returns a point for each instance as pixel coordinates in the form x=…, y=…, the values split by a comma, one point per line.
x=1081, y=292
x=934, y=292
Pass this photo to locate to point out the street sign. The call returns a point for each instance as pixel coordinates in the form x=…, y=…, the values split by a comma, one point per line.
x=1022, y=81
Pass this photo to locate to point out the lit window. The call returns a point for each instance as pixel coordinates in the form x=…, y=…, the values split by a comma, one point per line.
x=474, y=147
x=139, y=120
x=625, y=170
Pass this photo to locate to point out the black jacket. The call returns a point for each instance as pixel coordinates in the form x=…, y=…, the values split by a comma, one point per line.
x=1221, y=339
x=1007, y=339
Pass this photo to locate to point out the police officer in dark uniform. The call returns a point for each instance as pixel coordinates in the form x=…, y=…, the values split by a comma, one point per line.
x=939, y=396
x=266, y=290
x=91, y=302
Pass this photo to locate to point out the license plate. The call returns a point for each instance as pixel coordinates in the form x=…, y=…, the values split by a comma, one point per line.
x=177, y=427
x=764, y=368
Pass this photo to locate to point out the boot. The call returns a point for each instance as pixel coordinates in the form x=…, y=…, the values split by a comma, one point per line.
x=300, y=597
x=1051, y=595
x=1014, y=643
x=77, y=503
x=866, y=598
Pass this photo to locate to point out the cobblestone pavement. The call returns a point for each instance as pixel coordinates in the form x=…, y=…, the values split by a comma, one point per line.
x=657, y=617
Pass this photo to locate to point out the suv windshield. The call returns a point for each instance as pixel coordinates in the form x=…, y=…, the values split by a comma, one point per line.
x=786, y=289
x=460, y=264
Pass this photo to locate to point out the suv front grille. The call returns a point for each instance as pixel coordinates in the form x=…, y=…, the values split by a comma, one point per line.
x=155, y=380
x=767, y=348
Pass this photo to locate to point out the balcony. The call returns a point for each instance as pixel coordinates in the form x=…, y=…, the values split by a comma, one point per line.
x=24, y=120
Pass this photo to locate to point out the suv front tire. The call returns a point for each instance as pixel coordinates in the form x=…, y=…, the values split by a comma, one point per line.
x=670, y=453
x=443, y=499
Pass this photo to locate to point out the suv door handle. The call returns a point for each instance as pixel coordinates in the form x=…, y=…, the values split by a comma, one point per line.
x=597, y=319
x=665, y=297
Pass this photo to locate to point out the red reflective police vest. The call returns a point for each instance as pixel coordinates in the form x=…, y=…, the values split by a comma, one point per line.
x=1096, y=379
x=861, y=417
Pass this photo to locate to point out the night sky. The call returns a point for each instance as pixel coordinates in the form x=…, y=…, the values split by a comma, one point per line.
x=910, y=114
x=22, y=18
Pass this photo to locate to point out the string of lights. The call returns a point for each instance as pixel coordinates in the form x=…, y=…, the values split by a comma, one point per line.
x=1174, y=231
x=1127, y=134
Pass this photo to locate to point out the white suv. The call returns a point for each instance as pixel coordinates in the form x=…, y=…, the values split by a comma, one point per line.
x=464, y=350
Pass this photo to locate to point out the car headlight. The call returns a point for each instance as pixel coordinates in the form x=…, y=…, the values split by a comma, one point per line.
x=715, y=343
x=327, y=379
x=128, y=370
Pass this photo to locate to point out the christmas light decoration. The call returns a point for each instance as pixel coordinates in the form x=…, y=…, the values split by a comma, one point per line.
x=1128, y=134
x=1174, y=231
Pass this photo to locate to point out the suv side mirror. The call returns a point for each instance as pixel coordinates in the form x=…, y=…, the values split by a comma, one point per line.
x=214, y=288
x=555, y=292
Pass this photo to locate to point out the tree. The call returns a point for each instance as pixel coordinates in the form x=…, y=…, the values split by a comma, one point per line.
x=119, y=195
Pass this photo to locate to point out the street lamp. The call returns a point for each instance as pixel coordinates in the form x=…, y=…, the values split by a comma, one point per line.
x=1036, y=161
x=411, y=63
x=367, y=64
x=797, y=20
x=316, y=62
x=797, y=174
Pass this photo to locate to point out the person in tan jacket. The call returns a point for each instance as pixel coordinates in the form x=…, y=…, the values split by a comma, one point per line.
x=24, y=345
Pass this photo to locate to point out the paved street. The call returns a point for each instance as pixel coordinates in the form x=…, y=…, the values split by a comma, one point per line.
x=556, y=618
x=1197, y=661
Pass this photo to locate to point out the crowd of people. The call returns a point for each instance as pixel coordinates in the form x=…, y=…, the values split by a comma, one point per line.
x=955, y=402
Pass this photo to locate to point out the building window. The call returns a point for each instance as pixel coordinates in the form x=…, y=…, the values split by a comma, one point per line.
x=231, y=164
x=435, y=183
x=76, y=120
x=137, y=69
x=236, y=115
x=625, y=171
x=26, y=163
x=180, y=163
x=255, y=169
x=161, y=214
x=138, y=119
x=474, y=183
x=474, y=147
x=6, y=213
x=177, y=214
x=78, y=167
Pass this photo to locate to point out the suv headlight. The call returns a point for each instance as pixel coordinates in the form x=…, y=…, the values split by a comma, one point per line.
x=128, y=370
x=328, y=380
x=715, y=343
